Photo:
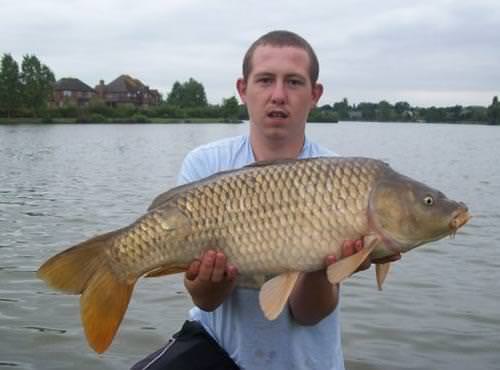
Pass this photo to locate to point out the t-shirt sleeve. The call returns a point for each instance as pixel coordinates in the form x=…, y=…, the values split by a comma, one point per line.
x=187, y=172
x=195, y=166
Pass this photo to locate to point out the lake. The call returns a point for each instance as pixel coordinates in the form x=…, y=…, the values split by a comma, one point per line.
x=61, y=184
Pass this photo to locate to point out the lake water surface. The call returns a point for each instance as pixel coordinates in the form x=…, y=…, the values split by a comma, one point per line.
x=61, y=184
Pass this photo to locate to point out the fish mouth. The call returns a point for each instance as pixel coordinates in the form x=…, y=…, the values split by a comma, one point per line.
x=459, y=218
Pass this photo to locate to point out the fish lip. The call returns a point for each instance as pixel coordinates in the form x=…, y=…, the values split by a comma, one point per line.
x=459, y=218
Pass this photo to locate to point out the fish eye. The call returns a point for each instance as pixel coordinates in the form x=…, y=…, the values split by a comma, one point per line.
x=428, y=200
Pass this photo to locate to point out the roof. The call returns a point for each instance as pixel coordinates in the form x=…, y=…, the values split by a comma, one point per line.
x=72, y=84
x=125, y=84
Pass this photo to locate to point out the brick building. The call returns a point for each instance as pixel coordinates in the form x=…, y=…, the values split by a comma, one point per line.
x=72, y=91
x=127, y=90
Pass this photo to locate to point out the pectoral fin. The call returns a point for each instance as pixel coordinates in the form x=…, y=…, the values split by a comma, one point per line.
x=346, y=266
x=274, y=294
x=382, y=270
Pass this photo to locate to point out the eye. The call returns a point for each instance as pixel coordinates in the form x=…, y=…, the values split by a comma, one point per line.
x=265, y=80
x=428, y=200
x=295, y=82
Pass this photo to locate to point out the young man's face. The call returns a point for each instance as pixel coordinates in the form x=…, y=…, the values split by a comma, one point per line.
x=279, y=93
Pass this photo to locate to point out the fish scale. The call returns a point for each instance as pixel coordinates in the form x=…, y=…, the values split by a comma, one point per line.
x=285, y=207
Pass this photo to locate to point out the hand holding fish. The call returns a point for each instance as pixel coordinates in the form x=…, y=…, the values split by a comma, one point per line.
x=210, y=280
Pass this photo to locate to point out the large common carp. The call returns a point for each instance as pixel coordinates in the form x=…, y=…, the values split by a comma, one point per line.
x=271, y=218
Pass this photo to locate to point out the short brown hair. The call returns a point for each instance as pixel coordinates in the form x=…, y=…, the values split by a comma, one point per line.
x=281, y=39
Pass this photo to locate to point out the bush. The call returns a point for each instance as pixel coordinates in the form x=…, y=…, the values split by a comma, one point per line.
x=99, y=107
x=98, y=118
x=140, y=118
x=66, y=112
x=92, y=118
x=125, y=110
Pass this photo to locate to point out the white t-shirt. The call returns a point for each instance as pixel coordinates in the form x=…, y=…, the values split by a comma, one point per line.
x=238, y=324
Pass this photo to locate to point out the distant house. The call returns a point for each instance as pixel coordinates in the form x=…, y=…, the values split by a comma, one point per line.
x=127, y=90
x=72, y=91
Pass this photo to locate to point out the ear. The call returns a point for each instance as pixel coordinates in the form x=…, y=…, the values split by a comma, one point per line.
x=317, y=91
x=241, y=86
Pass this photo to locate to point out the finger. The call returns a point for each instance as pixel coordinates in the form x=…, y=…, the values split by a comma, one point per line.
x=330, y=260
x=219, y=267
x=231, y=272
x=358, y=245
x=348, y=248
x=193, y=270
x=207, y=266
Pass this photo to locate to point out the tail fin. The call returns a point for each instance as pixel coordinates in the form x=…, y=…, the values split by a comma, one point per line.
x=84, y=269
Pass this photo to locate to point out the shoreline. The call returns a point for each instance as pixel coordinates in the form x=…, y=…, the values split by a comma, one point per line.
x=128, y=120
x=170, y=121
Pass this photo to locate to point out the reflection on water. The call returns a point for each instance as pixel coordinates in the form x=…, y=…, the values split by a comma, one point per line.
x=61, y=184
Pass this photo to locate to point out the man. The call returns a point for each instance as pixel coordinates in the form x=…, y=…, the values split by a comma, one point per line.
x=279, y=87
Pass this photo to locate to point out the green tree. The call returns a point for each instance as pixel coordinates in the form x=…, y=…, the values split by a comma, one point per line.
x=230, y=108
x=368, y=110
x=434, y=114
x=342, y=109
x=174, y=98
x=384, y=111
x=10, y=86
x=401, y=107
x=37, y=84
x=189, y=94
x=494, y=112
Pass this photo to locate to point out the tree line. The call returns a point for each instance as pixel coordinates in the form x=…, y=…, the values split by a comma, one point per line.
x=404, y=112
x=26, y=91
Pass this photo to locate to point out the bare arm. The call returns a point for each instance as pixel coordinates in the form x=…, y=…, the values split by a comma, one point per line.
x=210, y=280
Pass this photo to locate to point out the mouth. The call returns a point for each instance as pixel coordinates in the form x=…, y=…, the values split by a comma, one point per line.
x=277, y=114
x=460, y=218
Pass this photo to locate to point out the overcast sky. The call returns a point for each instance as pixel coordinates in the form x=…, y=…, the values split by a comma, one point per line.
x=428, y=52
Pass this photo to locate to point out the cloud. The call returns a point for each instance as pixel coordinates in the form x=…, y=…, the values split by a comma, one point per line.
x=440, y=52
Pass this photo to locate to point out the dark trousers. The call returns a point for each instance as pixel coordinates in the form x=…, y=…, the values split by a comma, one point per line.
x=192, y=348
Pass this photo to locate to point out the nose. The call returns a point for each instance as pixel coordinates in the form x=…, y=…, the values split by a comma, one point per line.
x=278, y=96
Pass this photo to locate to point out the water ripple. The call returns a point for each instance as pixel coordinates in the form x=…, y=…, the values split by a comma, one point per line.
x=64, y=183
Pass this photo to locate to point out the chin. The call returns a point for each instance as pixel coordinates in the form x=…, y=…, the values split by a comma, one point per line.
x=277, y=132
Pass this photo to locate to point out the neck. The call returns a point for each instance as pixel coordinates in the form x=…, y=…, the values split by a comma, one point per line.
x=265, y=148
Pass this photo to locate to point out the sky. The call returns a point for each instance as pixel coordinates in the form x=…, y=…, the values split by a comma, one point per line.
x=424, y=52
